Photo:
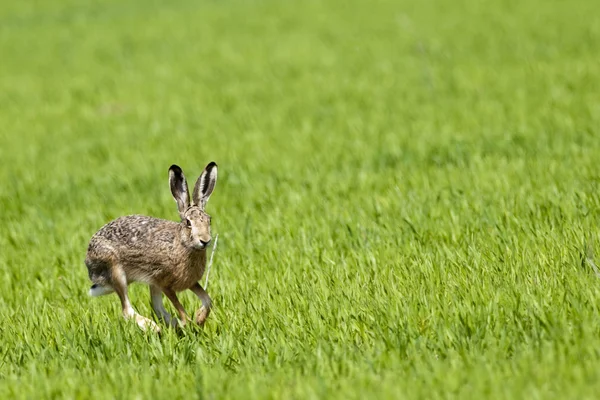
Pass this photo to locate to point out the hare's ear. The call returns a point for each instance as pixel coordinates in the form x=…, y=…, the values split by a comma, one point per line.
x=179, y=189
x=205, y=185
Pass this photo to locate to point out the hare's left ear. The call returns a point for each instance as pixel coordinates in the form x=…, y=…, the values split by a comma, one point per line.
x=205, y=185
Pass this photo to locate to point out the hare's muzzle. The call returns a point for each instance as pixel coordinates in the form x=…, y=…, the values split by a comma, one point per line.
x=201, y=244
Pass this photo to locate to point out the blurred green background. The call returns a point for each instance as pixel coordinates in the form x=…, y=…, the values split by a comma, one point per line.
x=407, y=194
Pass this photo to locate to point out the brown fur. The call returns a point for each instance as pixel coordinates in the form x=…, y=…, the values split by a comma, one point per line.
x=169, y=256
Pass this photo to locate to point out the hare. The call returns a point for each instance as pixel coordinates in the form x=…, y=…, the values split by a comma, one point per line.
x=169, y=256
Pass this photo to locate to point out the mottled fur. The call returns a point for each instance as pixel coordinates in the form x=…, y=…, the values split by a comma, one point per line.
x=169, y=256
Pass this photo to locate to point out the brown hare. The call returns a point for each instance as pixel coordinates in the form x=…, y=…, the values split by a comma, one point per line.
x=169, y=256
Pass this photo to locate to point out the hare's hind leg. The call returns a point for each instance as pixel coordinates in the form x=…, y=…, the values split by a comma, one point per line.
x=159, y=308
x=203, y=311
x=119, y=284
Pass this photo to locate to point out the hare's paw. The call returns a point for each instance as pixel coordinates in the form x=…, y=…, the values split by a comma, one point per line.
x=145, y=323
x=201, y=315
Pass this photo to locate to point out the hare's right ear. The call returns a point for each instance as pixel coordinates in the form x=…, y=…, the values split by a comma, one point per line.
x=179, y=189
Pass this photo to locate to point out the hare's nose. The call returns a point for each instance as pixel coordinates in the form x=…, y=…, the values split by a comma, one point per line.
x=205, y=243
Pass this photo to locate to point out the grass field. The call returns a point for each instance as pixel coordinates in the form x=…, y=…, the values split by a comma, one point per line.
x=407, y=192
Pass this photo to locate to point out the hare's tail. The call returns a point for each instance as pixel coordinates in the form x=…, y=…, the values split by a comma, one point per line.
x=98, y=290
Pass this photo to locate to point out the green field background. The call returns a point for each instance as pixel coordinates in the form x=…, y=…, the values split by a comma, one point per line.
x=407, y=194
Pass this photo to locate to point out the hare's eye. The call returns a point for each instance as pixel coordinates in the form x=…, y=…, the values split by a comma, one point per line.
x=188, y=223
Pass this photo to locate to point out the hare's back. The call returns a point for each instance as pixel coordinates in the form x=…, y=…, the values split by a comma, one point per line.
x=137, y=233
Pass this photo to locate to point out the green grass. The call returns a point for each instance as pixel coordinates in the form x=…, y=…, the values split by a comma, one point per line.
x=406, y=193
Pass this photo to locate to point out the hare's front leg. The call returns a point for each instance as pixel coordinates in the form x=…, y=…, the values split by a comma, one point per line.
x=159, y=308
x=173, y=297
x=203, y=311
